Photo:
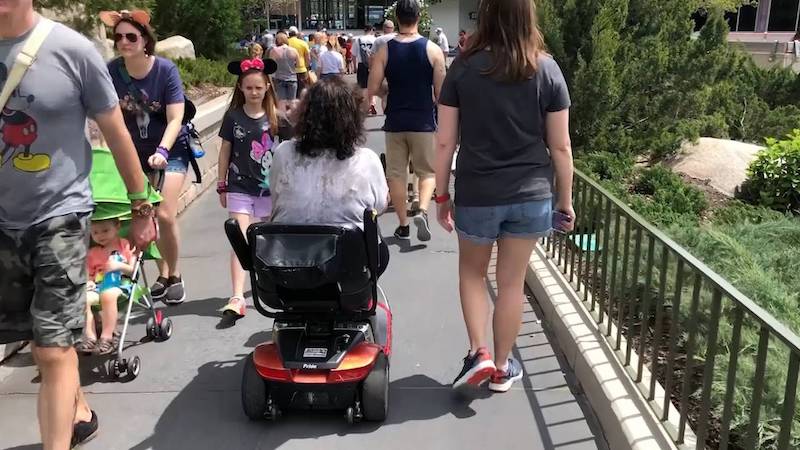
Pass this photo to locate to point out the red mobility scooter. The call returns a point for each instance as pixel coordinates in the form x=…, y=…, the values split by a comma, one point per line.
x=331, y=335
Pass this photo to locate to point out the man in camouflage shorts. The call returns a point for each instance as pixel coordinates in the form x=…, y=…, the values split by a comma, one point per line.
x=45, y=204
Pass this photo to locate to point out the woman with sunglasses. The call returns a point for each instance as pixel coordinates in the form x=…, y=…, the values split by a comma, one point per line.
x=152, y=100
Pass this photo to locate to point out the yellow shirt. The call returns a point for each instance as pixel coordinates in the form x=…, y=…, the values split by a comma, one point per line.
x=302, y=49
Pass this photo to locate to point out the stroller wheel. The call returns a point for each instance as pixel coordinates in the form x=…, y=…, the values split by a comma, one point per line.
x=152, y=331
x=254, y=391
x=114, y=368
x=134, y=367
x=165, y=330
x=375, y=391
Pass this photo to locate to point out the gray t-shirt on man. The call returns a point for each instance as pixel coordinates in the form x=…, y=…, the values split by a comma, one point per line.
x=503, y=158
x=45, y=157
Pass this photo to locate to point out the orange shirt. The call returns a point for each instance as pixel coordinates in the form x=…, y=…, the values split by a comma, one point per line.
x=97, y=258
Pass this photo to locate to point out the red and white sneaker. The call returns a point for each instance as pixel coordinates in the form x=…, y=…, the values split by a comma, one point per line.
x=503, y=380
x=477, y=369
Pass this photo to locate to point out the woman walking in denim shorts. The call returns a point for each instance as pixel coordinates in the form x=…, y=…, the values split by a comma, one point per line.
x=506, y=101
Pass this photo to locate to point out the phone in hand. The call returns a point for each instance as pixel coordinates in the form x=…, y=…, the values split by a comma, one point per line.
x=560, y=221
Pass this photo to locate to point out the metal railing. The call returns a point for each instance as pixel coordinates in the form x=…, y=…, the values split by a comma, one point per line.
x=726, y=366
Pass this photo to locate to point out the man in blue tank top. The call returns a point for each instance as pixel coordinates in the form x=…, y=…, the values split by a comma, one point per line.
x=414, y=69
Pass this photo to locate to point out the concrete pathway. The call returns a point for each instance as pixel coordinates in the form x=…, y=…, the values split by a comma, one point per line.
x=187, y=396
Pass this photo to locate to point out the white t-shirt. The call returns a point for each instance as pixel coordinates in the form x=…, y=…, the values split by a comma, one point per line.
x=443, y=44
x=325, y=190
x=381, y=41
x=331, y=62
x=364, y=46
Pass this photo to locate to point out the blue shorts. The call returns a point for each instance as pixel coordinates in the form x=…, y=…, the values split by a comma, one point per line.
x=487, y=224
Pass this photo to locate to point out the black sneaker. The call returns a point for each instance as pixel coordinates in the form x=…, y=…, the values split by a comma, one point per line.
x=159, y=289
x=403, y=233
x=477, y=369
x=502, y=380
x=423, y=227
x=175, y=294
x=83, y=432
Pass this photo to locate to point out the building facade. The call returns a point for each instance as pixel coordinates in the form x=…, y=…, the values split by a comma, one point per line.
x=768, y=16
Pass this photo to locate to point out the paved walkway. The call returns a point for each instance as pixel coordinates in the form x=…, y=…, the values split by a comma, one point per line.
x=187, y=396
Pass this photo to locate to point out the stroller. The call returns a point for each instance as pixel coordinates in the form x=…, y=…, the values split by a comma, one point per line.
x=110, y=195
x=332, y=334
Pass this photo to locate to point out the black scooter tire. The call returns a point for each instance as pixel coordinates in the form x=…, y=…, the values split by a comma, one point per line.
x=254, y=391
x=375, y=391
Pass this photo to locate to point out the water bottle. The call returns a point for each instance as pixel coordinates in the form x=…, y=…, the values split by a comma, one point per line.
x=194, y=142
x=112, y=279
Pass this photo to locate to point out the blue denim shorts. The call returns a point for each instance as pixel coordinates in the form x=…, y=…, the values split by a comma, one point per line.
x=177, y=162
x=487, y=224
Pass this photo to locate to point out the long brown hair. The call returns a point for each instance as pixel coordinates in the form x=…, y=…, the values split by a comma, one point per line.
x=509, y=31
x=269, y=104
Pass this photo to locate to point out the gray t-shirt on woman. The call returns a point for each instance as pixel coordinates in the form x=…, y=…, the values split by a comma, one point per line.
x=503, y=158
x=325, y=190
x=45, y=157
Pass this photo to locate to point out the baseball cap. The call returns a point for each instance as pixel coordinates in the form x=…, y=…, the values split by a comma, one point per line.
x=293, y=29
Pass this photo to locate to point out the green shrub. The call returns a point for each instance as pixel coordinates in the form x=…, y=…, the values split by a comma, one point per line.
x=665, y=198
x=774, y=176
x=606, y=165
x=204, y=71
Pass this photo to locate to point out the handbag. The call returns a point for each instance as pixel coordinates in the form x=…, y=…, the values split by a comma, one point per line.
x=25, y=59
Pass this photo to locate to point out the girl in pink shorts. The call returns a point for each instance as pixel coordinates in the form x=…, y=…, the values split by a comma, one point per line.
x=249, y=132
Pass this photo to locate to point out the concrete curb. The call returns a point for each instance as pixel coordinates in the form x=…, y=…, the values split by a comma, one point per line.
x=627, y=420
x=208, y=120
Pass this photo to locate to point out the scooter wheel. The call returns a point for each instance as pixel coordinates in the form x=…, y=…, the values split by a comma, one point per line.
x=274, y=413
x=114, y=368
x=134, y=367
x=350, y=415
x=375, y=391
x=254, y=391
x=165, y=330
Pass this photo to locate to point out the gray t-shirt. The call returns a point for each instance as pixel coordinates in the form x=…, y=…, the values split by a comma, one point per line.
x=45, y=157
x=325, y=190
x=503, y=158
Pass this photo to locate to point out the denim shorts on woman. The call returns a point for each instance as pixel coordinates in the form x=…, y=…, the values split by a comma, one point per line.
x=177, y=162
x=487, y=224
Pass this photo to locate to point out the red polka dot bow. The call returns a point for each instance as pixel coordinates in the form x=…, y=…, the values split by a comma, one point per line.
x=252, y=64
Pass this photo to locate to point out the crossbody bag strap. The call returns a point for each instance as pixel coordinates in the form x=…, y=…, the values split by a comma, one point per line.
x=25, y=58
x=126, y=78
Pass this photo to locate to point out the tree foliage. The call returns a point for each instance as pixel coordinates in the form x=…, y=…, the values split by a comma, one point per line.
x=212, y=25
x=642, y=80
x=82, y=16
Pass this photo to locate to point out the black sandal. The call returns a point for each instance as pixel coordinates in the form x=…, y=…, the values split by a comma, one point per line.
x=86, y=346
x=104, y=347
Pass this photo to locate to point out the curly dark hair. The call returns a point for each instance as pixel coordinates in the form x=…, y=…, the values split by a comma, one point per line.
x=330, y=118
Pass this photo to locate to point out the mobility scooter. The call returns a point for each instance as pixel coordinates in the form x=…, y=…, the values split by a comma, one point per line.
x=331, y=335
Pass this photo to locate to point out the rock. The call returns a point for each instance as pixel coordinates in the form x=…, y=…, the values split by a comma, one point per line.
x=722, y=163
x=176, y=47
x=105, y=47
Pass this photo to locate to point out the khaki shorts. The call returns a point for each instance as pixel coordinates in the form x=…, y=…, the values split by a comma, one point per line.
x=416, y=148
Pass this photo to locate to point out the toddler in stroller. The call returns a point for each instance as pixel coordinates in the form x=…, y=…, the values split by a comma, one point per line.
x=107, y=262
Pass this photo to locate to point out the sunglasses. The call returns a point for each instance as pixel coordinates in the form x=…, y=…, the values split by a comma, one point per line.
x=130, y=37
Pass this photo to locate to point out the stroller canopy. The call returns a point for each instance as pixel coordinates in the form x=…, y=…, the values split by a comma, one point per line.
x=108, y=188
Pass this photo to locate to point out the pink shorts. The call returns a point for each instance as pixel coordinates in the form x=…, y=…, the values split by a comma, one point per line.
x=258, y=207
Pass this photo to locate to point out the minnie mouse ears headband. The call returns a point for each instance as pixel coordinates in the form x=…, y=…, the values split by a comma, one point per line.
x=112, y=18
x=268, y=66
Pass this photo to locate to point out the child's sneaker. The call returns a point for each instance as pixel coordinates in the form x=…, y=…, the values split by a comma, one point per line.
x=502, y=380
x=236, y=306
x=477, y=369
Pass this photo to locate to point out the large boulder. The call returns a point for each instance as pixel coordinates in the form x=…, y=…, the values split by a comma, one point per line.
x=176, y=47
x=722, y=163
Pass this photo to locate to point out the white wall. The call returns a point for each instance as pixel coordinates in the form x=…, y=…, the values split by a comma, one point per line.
x=446, y=15
x=466, y=7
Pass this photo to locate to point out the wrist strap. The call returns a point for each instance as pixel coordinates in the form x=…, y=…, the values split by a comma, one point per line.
x=163, y=152
x=144, y=195
x=442, y=199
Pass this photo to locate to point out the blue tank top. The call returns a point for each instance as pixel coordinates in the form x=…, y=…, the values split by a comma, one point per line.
x=410, y=76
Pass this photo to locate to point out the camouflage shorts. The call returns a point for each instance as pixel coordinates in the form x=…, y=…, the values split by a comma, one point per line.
x=42, y=281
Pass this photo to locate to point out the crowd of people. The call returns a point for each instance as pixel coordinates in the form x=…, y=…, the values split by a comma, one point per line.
x=291, y=152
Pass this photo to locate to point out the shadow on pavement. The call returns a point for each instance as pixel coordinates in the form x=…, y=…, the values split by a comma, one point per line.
x=209, y=408
x=405, y=246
